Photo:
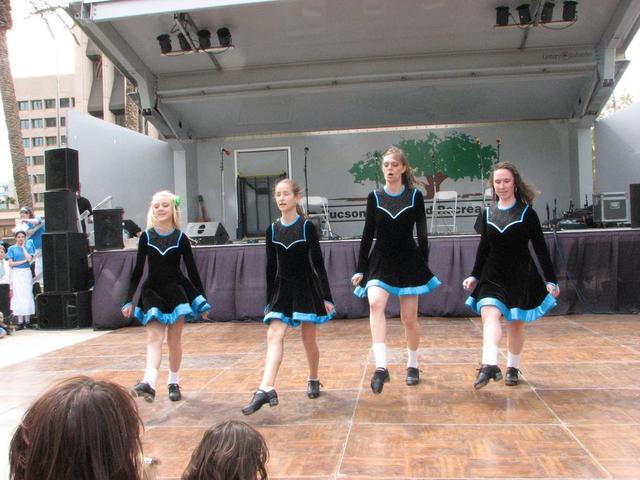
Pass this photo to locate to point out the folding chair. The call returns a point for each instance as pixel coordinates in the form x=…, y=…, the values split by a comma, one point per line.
x=444, y=216
x=318, y=208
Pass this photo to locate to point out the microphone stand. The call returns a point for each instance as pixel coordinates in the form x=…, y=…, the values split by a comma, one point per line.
x=306, y=184
x=222, y=185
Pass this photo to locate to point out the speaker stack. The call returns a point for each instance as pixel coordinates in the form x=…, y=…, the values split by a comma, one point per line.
x=66, y=301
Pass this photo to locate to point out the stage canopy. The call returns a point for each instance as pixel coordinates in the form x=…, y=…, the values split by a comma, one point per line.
x=315, y=65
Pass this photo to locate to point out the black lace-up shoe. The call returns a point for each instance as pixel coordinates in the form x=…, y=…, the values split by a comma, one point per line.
x=413, y=376
x=511, y=378
x=174, y=392
x=143, y=389
x=486, y=373
x=260, y=398
x=380, y=377
x=313, y=388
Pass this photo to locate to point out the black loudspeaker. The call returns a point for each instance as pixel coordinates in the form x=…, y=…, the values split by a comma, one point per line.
x=634, y=201
x=64, y=262
x=107, y=228
x=61, y=169
x=61, y=211
x=207, y=233
x=64, y=310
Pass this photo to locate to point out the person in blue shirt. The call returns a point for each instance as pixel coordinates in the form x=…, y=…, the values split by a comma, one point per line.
x=20, y=257
x=34, y=228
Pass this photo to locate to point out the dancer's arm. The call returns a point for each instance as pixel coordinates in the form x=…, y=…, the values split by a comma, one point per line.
x=421, y=226
x=272, y=265
x=317, y=261
x=367, y=236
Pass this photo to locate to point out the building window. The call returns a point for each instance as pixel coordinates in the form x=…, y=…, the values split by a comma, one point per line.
x=64, y=102
x=26, y=142
x=63, y=139
x=24, y=124
x=23, y=105
x=27, y=160
x=38, y=198
x=38, y=159
x=52, y=141
x=63, y=121
x=37, y=179
x=37, y=141
x=37, y=123
x=73, y=101
x=49, y=103
x=36, y=104
x=50, y=122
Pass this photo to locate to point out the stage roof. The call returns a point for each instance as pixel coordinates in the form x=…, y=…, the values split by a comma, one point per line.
x=313, y=65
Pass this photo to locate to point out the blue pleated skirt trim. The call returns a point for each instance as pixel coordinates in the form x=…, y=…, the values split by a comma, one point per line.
x=428, y=287
x=189, y=311
x=513, y=314
x=298, y=318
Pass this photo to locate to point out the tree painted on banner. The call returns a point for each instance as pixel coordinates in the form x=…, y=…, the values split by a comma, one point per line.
x=433, y=159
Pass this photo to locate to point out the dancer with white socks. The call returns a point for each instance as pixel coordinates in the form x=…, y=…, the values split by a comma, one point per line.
x=505, y=280
x=396, y=265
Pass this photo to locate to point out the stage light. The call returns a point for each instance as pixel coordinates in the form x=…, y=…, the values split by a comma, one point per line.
x=547, y=12
x=165, y=43
x=502, y=16
x=184, y=44
x=204, y=39
x=224, y=37
x=524, y=13
x=569, y=11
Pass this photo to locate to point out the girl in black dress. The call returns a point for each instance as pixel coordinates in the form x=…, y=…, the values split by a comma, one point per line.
x=166, y=297
x=298, y=292
x=505, y=280
x=396, y=265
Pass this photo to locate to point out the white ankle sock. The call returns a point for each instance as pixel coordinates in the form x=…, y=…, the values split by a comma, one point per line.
x=513, y=360
x=267, y=388
x=380, y=354
x=412, y=358
x=489, y=354
x=151, y=376
x=174, y=377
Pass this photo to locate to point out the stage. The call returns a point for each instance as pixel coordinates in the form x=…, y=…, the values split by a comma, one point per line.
x=576, y=415
x=597, y=272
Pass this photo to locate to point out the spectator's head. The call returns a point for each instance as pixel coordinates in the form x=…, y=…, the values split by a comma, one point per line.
x=26, y=212
x=164, y=208
x=79, y=429
x=2, y=253
x=231, y=450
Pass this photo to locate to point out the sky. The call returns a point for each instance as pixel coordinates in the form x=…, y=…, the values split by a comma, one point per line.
x=33, y=52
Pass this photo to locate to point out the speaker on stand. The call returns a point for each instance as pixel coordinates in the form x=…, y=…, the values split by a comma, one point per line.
x=207, y=233
x=107, y=228
x=634, y=204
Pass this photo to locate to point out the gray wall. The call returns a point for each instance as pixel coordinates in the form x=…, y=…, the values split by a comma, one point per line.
x=117, y=161
x=539, y=149
x=617, y=140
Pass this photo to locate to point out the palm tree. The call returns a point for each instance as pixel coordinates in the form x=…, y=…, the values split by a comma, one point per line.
x=20, y=175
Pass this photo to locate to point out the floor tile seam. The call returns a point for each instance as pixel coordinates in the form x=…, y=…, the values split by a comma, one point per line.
x=551, y=389
x=457, y=425
x=607, y=337
x=564, y=426
x=351, y=422
x=222, y=371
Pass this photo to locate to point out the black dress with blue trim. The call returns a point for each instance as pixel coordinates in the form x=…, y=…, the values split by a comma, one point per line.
x=297, y=283
x=166, y=295
x=507, y=275
x=396, y=263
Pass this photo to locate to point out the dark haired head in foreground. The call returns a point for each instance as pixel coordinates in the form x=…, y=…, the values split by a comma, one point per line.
x=229, y=451
x=79, y=429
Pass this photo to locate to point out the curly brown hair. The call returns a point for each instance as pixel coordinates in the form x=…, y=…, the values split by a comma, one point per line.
x=523, y=191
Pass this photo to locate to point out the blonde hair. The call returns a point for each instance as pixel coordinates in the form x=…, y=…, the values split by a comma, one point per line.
x=176, y=218
x=295, y=188
x=407, y=177
x=523, y=191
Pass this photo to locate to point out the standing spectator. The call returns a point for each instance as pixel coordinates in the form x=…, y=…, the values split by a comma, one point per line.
x=84, y=205
x=20, y=257
x=34, y=226
x=129, y=227
x=5, y=285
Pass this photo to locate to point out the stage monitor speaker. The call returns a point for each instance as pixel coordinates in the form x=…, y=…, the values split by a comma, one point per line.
x=107, y=228
x=634, y=203
x=63, y=310
x=207, y=233
x=64, y=262
x=61, y=211
x=61, y=169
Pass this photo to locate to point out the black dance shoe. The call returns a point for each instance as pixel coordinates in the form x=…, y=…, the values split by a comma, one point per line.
x=486, y=373
x=260, y=398
x=143, y=389
x=511, y=378
x=413, y=376
x=174, y=392
x=380, y=377
x=313, y=388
